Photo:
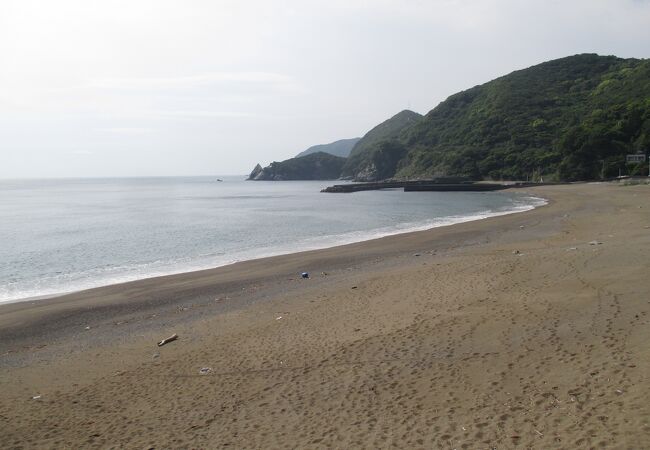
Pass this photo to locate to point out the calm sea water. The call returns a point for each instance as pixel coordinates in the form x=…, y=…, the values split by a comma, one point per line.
x=59, y=236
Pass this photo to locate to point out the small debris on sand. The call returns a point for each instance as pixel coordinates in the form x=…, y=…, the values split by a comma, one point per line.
x=205, y=370
x=171, y=338
x=595, y=243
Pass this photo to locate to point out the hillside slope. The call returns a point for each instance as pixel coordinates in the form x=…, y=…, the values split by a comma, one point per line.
x=375, y=156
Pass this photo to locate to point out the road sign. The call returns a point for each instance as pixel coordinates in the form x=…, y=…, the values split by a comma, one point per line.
x=635, y=158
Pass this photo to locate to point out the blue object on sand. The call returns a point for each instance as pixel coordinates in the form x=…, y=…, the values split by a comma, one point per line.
x=305, y=274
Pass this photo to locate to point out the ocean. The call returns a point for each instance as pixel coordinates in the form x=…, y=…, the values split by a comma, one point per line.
x=64, y=235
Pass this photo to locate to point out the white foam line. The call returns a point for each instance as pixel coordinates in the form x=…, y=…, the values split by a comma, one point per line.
x=316, y=244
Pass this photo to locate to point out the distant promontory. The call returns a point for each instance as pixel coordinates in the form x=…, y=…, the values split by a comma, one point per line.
x=315, y=166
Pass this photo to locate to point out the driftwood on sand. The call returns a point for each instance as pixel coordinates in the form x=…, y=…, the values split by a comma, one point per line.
x=173, y=337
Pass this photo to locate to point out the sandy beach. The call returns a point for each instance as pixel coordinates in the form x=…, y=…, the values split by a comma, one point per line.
x=523, y=331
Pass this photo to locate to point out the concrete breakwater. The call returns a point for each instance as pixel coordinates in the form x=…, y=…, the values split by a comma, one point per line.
x=420, y=185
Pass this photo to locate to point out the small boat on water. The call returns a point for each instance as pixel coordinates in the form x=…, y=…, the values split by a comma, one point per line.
x=219, y=179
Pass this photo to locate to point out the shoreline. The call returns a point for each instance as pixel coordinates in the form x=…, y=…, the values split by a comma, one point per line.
x=524, y=330
x=340, y=240
x=62, y=316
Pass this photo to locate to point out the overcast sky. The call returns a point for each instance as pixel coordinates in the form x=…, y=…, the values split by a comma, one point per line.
x=141, y=88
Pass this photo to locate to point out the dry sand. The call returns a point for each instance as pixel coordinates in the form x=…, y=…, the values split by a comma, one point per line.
x=510, y=332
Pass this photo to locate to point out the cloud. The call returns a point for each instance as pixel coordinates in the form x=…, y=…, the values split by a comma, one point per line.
x=267, y=80
x=192, y=96
x=205, y=114
x=80, y=153
x=484, y=14
x=126, y=131
x=263, y=79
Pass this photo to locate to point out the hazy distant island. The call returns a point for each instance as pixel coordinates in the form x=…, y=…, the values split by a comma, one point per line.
x=574, y=118
x=341, y=148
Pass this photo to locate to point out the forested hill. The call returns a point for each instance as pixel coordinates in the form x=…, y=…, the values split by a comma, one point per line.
x=573, y=118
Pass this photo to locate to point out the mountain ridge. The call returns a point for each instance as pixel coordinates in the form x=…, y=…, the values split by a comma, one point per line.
x=573, y=118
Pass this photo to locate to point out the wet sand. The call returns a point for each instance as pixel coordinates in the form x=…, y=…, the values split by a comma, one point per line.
x=509, y=332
